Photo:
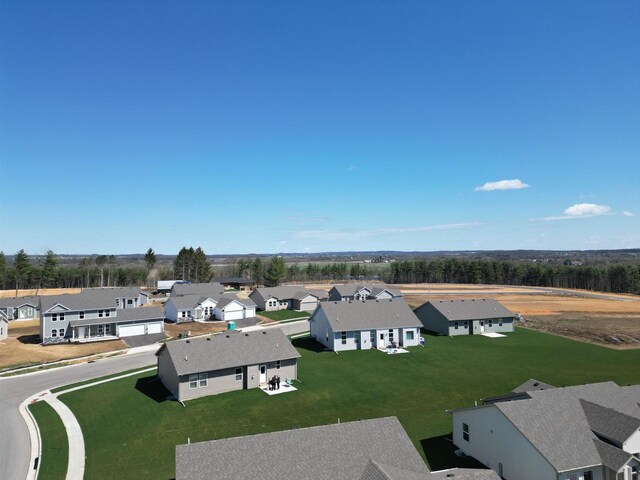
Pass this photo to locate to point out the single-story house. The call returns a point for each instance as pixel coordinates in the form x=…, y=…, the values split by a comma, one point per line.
x=465, y=317
x=4, y=326
x=198, y=308
x=365, y=324
x=285, y=297
x=236, y=283
x=20, y=308
x=584, y=432
x=95, y=314
x=377, y=449
x=233, y=360
x=203, y=289
x=354, y=291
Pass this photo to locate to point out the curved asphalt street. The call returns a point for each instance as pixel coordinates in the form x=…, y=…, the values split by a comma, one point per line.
x=15, y=447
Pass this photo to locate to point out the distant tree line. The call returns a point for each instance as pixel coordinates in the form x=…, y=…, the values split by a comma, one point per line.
x=101, y=271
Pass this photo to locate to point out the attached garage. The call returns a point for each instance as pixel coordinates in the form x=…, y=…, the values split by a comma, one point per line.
x=155, y=327
x=130, y=330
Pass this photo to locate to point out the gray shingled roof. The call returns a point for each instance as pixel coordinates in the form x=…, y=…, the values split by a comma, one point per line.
x=349, y=289
x=609, y=423
x=208, y=289
x=285, y=292
x=470, y=309
x=378, y=471
x=331, y=452
x=612, y=457
x=88, y=299
x=125, y=315
x=226, y=299
x=370, y=314
x=555, y=423
x=229, y=349
x=191, y=301
x=464, y=474
x=241, y=280
x=530, y=385
x=15, y=302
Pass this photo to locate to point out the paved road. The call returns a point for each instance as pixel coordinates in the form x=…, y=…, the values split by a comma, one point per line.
x=14, y=437
x=15, y=446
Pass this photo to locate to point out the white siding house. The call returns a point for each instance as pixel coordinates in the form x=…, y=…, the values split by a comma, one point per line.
x=365, y=324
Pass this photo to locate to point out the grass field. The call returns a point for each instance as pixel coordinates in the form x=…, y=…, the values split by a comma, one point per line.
x=280, y=315
x=55, y=447
x=131, y=430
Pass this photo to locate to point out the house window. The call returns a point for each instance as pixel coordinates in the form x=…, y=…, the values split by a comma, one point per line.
x=343, y=337
x=455, y=325
x=107, y=328
x=54, y=317
x=491, y=323
x=372, y=337
x=390, y=335
x=184, y=314
x=634, y=474
x=61, y=333
x=193, y=381
x=29, y=312
x=129, y=302
x=100, y=313
x=202, y=380
x=100, y=329
x=410, y=334
x=465, y=431
x=500, y=324
x=238, y=374
x=356, y=337
x=278, y=364
x=61, y=316
x=588, y=475
x=107, y=313
x=466, y=324
x=117, y=302
x=54, y=333
x=81, y=315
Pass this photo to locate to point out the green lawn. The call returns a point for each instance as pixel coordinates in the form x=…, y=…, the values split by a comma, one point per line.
x=131, y=431
x=55, y=447
x=280, y=315
x=93, y=380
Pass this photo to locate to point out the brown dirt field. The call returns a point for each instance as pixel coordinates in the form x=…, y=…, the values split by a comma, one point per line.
x=42, y=291
x=22, y=347
x=196, y=328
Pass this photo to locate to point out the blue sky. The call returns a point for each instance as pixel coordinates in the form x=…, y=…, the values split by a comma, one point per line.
x=292, y=126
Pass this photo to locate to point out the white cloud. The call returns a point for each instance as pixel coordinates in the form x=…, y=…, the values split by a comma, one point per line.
x=515, y=184
x=586, y=210
x=580, y=210
x=343, y=235
x=628, y=214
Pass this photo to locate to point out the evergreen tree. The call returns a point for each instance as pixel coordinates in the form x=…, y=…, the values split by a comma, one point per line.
x=50, y=270
x=21, y=266
x=275, y=272
x=3, y=271
x=150, y=259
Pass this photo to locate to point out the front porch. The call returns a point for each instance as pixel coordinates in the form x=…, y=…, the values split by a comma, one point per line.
x=93, y=333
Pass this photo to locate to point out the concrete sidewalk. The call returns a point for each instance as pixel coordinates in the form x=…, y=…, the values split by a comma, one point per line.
x=75, y=467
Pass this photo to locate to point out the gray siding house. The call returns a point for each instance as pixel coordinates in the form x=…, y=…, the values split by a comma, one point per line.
x=20, y=308
x=286, y=297
x=365, y=324
x=584, y=432
x=377, y=449
x=465, y=317
x=198, y=308
x=96, y=314
x=233, y=360
x=354, y=291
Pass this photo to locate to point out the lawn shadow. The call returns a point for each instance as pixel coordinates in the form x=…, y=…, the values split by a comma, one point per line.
x=153, y=388
x=308, y=343
x=430, y=333
x=439, y=452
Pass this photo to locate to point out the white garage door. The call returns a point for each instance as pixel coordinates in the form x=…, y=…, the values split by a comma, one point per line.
x=129, y=330
x=233, y=315
x=154, y=327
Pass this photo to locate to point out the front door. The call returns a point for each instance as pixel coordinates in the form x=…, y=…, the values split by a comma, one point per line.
x=382, y=343
x=263, y=374
x=481, y=326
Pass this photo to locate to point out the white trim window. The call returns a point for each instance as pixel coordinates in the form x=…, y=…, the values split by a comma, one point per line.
x=54, y=317
x=61, y=316
x=193, y=381
x=455, y=325
x=202, y=380
x=343, y=338
x=278, y=364
x=100, y=313
x=465, y=431
x=410, y=334
x=81, y=315
x=238, y=374
x=54, y=333
x=61, y=332
x=107, y=313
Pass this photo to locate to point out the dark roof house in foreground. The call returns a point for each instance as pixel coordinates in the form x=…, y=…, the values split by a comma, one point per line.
x=233, y=360
x=465, y=317
x=376, y=449
x=538, y=432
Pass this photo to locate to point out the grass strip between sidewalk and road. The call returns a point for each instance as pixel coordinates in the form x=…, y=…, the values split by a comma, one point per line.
x=280, y=315
x=54, y=443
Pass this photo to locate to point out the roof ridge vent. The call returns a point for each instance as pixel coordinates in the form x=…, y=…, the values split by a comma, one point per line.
x=208, y=339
